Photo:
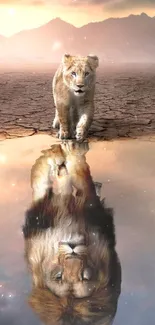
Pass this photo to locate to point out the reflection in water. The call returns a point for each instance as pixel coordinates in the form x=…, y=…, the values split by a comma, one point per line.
x=70, y=241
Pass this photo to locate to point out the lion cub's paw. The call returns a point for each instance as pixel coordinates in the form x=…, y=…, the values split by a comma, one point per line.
x=56, y=123
x=80, y=135
x=63, y=135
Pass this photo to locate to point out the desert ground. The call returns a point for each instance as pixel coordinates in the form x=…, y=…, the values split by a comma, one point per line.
x=124, y=100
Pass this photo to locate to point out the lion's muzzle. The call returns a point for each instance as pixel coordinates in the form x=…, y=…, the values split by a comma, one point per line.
x=80, y=89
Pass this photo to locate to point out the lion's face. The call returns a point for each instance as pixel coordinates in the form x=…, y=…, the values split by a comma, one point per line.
x=79, y=73
x=68, y=263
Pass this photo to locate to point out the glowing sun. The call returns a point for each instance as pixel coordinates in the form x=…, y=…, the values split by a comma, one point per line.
x=11, y=11
x=56, y=46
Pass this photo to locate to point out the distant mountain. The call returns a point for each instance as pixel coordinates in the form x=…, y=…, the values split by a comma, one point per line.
x=129, y=39
x=123, y=39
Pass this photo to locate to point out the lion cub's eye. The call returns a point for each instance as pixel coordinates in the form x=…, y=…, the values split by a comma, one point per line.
x=73, y=73
x=86, y=74
x=58, y=276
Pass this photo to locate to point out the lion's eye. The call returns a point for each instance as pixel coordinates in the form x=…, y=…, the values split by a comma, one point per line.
x=58, y=276
x=73, y=73
x=86, y=274
x=86, y=74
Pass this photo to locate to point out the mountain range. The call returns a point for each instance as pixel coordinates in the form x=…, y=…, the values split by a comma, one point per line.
x=128, y=39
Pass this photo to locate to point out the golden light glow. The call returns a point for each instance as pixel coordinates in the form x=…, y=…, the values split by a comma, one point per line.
x=56, y=46
x=21, y=17
x=12, y=11
x=3, y=159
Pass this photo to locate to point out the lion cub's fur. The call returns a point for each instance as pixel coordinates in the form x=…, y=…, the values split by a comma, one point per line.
x=73, y=92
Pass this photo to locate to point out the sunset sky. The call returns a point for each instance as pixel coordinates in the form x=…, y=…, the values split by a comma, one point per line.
x=16, y=15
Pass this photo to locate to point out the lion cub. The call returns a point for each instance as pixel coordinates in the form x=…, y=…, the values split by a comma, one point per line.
x=73, y=92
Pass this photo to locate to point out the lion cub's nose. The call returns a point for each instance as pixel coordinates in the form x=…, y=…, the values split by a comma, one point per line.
x=80, y=85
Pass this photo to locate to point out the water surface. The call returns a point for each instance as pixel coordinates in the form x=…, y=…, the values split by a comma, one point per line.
x=126, y=169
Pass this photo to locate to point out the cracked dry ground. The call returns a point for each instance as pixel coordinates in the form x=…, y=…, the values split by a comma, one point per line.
x=124, y=100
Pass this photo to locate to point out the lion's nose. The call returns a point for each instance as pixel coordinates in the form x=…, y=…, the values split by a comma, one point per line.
x=72, y=246
x=80, y=85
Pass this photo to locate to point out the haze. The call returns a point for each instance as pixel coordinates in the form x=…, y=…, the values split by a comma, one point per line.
x=41, y=31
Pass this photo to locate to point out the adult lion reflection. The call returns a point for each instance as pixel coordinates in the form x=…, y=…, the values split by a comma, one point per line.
x=70, y=242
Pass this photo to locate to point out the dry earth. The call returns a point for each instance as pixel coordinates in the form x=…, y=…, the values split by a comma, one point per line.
x=125, y=102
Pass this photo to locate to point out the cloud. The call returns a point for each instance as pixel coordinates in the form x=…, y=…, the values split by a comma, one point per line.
x=113, y=4
x=11, y=2
x=87, y=2
x=54, y=2
x=37, y=3
x=22, y=2
x=120, y=5
x=110, y=5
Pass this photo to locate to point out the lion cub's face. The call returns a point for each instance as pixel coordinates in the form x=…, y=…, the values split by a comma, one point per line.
x=69, y=267
x=79, y=73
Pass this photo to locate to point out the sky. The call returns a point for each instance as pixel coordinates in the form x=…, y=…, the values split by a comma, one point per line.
x=16, y=15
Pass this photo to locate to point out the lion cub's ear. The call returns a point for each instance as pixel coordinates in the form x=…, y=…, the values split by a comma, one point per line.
x=94, y=60
x=66, y=59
